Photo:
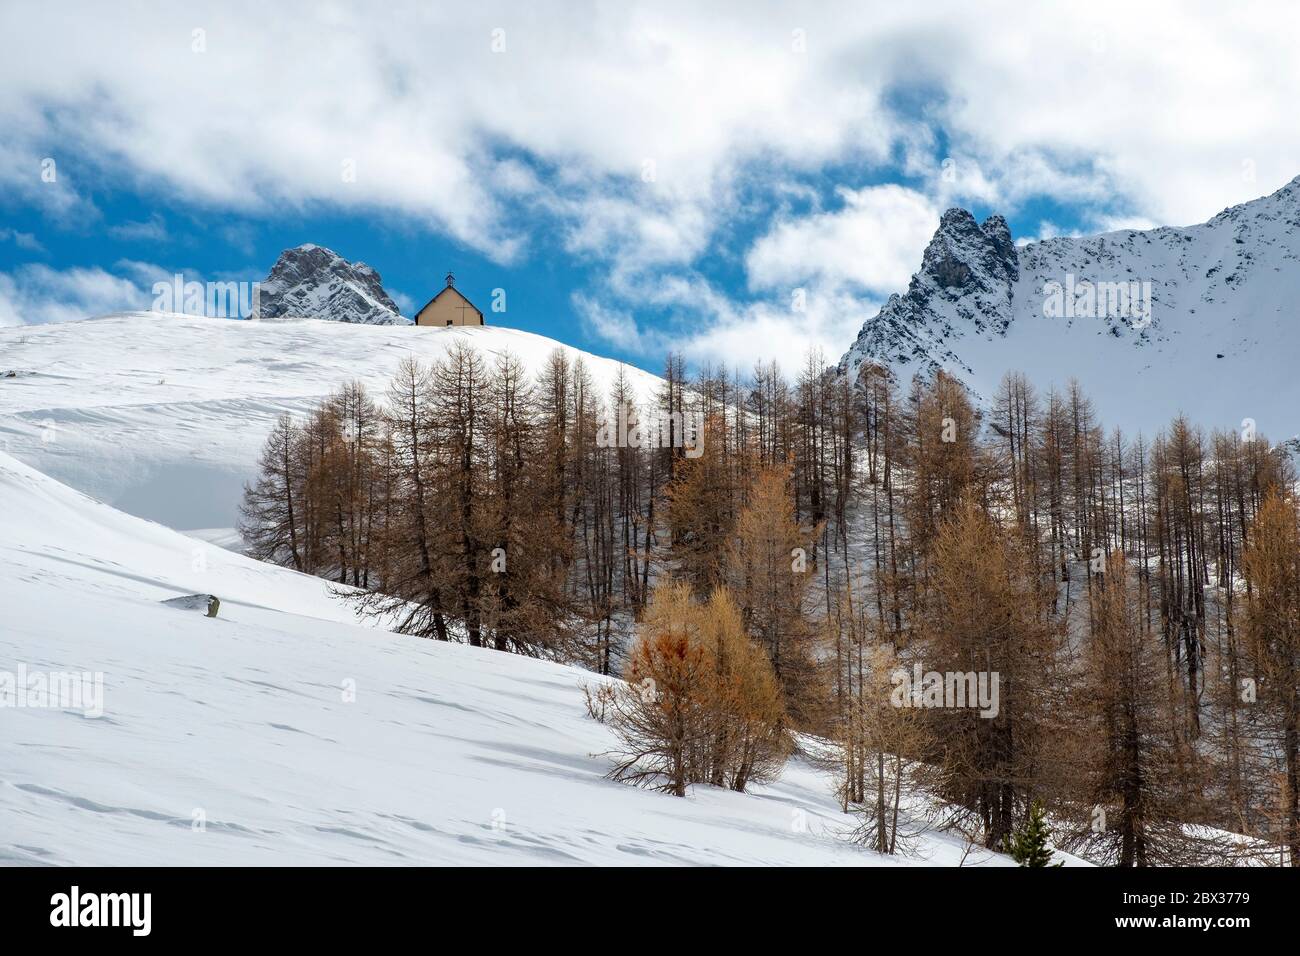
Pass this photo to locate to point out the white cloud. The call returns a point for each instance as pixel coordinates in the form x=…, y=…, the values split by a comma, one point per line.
x=294, y=105
x=28, y=174
x=613, y=325
x=404, y=302
x=767, y=331
x=1116, y=223
x=710, y=326
x=23, y=240
x=37, y=293
x=145, y=274
x=637, y=235
x=279, y=99
x=874, y=240
x=153, y=229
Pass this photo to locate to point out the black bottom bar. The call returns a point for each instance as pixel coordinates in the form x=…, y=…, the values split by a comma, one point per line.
x=333, y=906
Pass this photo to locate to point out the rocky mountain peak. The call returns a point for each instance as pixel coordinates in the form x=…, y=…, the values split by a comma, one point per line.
x=312, y=281
x=965, y=280
x=965, y=254
x=999, y=235
x=1114, y=306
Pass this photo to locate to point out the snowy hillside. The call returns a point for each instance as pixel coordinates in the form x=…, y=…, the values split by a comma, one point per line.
x=163, y=415
x=1219, y=340
x=310, y=281
x=284, y=732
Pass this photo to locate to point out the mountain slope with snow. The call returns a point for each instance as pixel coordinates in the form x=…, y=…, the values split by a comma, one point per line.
x=1219, y=341
x=283, y=731
x=163, y=415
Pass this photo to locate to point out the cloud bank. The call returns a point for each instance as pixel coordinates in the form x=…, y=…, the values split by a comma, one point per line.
x=636, y=137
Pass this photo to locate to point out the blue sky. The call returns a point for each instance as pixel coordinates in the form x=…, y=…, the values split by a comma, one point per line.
x=637, y=178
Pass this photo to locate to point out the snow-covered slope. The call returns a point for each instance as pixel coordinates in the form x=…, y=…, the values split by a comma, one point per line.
x=163, y=415
x=281, y=731
x=310, y=281
x=1220, y=341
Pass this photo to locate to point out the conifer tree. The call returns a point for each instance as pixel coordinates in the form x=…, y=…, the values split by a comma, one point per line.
x=1273, y=628
x=770, y=573
x=271, y=513
x=981, y=619
x=1029, y=845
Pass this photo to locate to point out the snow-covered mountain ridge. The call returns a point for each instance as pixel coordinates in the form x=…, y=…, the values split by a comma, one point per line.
x=1209, y=328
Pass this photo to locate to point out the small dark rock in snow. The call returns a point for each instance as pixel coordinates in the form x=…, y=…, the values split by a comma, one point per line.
x=207, y=603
